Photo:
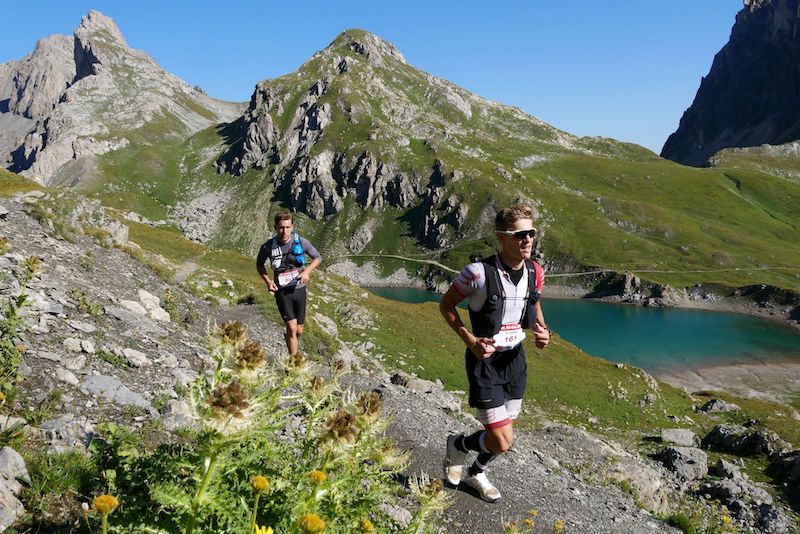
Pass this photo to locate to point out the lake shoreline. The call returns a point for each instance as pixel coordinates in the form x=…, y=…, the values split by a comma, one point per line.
x=717, y=303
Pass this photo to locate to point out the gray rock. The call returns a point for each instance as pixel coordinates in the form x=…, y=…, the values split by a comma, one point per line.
x=87, y=346
x=680, y=436
x=772, y=520
x=66, y=432
x=687, y=462
x=82, y=327
x=137, y=321
x=326, y=324
x=12, y=470
x=3, y=212
x=117, y=231
x=400, y=516
x=183, y=377
x=112, y=389
x=73, y=362
x=176, y=414
x=716, y=405
x=73, y=344
x=725, y=469
x=744, y=442
x=67, y=377
x=135, y=358
x=133, y=306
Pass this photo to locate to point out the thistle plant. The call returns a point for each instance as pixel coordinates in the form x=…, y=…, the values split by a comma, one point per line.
x=432, y=500
x=10, y=325
x=321, y=459
x=105, y=504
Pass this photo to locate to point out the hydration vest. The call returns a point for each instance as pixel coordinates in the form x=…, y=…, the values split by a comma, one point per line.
x=276, y=255
x=487, y=321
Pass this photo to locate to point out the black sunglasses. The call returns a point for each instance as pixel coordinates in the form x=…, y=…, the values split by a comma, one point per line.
x=521, y=234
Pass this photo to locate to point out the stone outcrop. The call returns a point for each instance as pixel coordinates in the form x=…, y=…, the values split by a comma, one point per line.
x=83, y=94
x=749, y=96
x=744, y=442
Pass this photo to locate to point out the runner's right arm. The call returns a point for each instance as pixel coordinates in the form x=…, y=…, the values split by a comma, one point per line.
x=465, y=284
x=263, y=257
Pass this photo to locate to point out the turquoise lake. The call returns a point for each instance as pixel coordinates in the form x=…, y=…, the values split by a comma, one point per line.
x=655, y=339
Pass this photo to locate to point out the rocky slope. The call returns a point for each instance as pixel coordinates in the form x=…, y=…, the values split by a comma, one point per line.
x=748, y=97
x=84, y=95
x=108, y=339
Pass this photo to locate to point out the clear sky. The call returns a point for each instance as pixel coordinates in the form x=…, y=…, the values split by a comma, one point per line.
x=625, y=69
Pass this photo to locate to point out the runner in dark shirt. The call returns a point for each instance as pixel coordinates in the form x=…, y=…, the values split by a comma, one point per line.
x=292, y=258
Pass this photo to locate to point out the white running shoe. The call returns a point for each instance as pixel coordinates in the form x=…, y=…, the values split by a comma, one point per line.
x=454, y=461
x=487, y=491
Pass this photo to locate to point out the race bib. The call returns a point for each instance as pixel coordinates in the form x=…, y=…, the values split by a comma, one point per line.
x=286, y=278
x=509, y=336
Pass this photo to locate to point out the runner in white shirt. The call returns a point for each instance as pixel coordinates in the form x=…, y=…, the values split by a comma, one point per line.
x=503, y=292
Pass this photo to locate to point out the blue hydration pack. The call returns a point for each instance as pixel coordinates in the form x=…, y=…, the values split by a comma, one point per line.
x=297, y=249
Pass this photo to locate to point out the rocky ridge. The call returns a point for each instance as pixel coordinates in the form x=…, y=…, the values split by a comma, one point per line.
x=85, y=94
x=118, y=342
x=349, y=123
x=748, y=96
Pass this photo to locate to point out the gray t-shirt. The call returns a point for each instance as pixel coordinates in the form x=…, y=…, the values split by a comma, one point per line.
x=283, y=262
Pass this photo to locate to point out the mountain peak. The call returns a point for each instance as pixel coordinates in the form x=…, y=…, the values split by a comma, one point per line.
x=366, y=44
x=95, y=25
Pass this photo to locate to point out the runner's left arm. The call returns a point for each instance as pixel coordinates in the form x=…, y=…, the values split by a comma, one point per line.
x=315, y=256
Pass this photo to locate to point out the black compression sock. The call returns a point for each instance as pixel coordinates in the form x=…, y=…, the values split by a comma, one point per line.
x=470, y=443
x=481, y=462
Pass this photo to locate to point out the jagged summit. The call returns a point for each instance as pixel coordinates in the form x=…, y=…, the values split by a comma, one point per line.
x=98, y=27
x=749, y=97
x=85, y=95
x=356, y=121
x=363, y=43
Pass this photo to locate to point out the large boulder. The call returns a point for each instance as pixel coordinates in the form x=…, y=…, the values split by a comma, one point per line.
x=688, y=463
x=744, y=442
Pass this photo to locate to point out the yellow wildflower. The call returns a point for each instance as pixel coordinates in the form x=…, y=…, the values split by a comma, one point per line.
x=2, y=396
x=558, y=526
x=528, y=522
x=263, y=530
x=105, y=504
x=317, y=477
x=726, y=519
x=312, y=523
x=533, y=513
x=366, y=526
x=259, y=483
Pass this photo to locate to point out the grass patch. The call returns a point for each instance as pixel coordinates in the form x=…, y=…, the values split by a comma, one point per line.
x=11, y=184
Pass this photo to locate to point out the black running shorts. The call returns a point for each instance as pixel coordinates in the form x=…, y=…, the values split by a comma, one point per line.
x=292, y=304
x=498, y=378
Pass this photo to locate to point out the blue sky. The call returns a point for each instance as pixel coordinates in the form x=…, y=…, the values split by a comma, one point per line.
x=625, y=69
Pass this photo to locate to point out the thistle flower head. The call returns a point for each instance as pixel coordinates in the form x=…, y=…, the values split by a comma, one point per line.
x=338, y=366
x=391, y=458
x=233, y=332
x=105, y=504
x=317, y=383
x=366, y=526
x=251, y=355
x=229, y=399
x=297, y=361
x=317, y=477
x=341, y=426
x=259, y=483
x=32, y=265
x=369, y=403
x=311, y=523
x=433, y=488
